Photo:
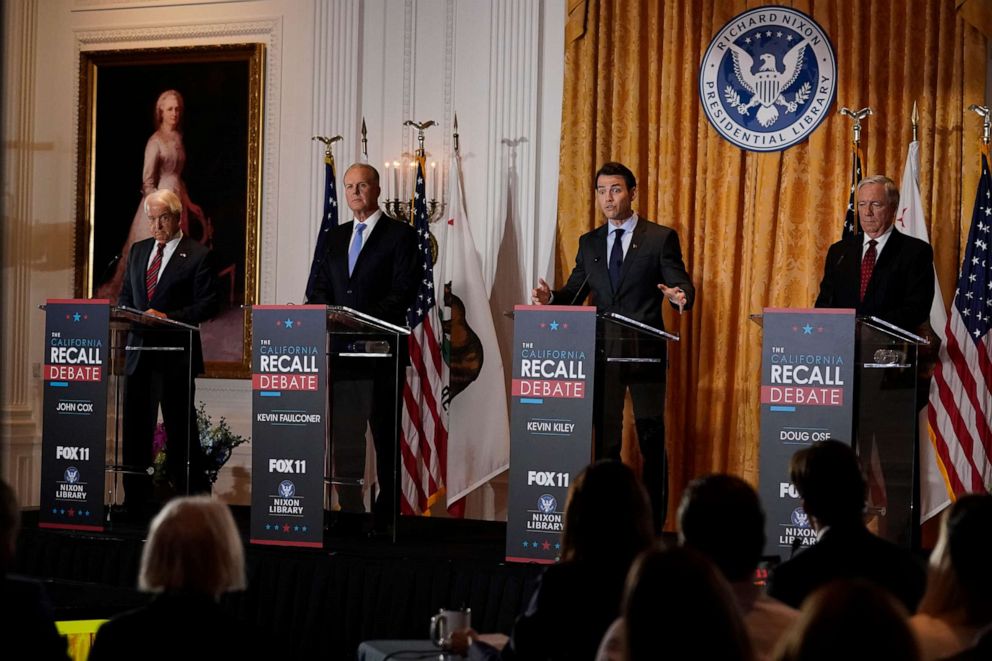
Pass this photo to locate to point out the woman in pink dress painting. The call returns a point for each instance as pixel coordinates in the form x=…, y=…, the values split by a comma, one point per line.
x=165, y=158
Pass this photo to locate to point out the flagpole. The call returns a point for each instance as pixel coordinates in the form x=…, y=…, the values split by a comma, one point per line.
x=852, y=224
x=329, y=216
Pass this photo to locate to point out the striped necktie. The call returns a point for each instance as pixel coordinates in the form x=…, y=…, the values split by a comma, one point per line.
x=867, y=266
x=151, y=275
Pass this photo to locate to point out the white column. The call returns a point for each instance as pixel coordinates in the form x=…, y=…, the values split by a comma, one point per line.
x=20, y=453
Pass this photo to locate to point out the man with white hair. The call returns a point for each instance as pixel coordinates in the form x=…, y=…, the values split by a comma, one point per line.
x=169, y=276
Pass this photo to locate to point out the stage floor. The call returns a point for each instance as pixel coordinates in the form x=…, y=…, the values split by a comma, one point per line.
x=318, y=603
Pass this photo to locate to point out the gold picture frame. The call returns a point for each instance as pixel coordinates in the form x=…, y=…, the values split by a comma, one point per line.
x=212, y=160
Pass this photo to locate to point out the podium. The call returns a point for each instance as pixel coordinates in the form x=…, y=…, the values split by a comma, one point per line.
x=88, y=342
x=367, y=365
x=136, y=335
x=827, y=374
x=315, y=370
x=567, y=362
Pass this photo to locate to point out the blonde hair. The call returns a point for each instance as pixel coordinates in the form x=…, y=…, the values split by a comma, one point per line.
x=193, y=546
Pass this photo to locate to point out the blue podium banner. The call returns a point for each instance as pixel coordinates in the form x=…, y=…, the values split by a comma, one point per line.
x=550, y=423
x=289, y=411
x=807, y=395
x=74, y=436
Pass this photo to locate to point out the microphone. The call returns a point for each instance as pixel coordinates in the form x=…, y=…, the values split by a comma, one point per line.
x=595, y=260
x=796, y=543
x=106, y=269
x=369, y=346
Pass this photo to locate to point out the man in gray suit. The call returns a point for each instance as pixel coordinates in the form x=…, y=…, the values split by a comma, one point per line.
x=630, y=266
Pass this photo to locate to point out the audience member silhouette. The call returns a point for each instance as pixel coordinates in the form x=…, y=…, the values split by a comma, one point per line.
x=193, y=555
x=957, y=604
x=832, y=489
x=678, y=606
x=27, y=622
x=852, y=620
x=720, y=516
x=607, y=523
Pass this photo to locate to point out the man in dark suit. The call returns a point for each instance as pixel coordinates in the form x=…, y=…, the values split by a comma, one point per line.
x=169, y=276
x=370, y=266
x=887, y=274
x=629, y=266
x=829, y=481
x=882, y=272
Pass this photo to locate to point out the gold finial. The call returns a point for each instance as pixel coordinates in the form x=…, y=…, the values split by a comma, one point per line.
x=916, y=121
x=455, y=134
x=327, y=142
x=421, y=127
x=857, y=116
x=983, y=111
x=365, y=140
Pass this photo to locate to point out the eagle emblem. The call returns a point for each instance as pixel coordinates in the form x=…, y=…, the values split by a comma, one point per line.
x=546, y=504
x=768, y=85
x=768, y=78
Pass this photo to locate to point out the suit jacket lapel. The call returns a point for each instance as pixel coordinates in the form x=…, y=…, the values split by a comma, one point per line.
x=369, y=242
x=339, y=251
x=849, y=276
x=885, y=263
x=599, y=269
x=176, y=263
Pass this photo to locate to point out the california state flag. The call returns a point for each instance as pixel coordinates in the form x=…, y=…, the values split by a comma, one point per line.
x=478, y=425
x=935, y=493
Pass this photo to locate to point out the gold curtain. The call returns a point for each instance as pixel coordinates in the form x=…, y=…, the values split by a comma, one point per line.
x=756, y=227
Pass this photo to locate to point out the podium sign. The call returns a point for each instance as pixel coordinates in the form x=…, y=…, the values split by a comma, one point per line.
x=289, y=406
x=74, y=413
x=807, y=395
x=550, y=423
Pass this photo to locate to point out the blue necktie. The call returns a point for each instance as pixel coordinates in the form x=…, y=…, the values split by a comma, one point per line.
x=356, y=247
x=616, y=258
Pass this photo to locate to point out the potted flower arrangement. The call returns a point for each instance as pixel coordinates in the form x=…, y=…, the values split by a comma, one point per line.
x=217, y=441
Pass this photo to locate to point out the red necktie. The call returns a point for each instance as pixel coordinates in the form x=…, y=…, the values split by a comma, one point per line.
x=151, y=276
x=867, y=266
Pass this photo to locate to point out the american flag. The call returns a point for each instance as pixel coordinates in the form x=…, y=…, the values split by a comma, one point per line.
x=328, y=221
x=423, y=436
x=852, y=225
x=962, y=417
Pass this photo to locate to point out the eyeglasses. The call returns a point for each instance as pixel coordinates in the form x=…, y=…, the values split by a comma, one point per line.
x=875, y=205
x=163, y=219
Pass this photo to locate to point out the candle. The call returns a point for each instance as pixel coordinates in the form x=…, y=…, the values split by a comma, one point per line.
x=413, y=180
x=396, y=180
x=433, y=180
x=385, y=180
